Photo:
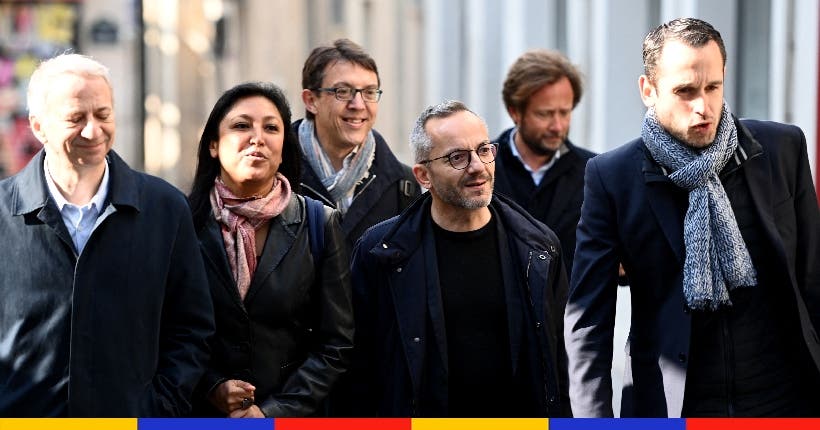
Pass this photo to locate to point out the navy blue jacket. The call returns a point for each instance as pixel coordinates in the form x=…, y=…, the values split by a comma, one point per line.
x=556, y=201
x=126, y=320
x=400, y=354
x=630, y=214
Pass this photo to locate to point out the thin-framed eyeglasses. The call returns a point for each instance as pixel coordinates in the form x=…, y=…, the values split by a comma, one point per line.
x=346, y=94
x=461, y=158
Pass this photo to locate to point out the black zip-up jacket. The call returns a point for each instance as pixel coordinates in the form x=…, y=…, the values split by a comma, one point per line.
x=400, y=359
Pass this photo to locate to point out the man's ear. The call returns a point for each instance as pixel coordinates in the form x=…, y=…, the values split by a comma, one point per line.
x=514, y=114
x=309, y=98
x=37, y=128
x=648, y=91
x=421, y=174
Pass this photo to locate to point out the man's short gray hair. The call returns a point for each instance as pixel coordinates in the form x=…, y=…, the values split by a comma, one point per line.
x=40, y=81
x=420, y=142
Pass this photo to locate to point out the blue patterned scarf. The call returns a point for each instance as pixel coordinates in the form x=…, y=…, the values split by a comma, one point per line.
x=716, y=256
x=340, y=184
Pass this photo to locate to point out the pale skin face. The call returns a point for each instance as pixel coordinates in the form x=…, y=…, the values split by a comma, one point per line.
x=688, y=91
x=249, y=149
x=77, y=126
x=460, y=197
x=342, y=125
x=543, y=125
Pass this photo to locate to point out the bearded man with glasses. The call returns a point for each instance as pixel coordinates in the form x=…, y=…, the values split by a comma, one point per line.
x=346, y=164
x=458, y=301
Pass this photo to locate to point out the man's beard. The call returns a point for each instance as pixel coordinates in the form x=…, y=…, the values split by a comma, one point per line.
x=537, y=147
x=454, y=196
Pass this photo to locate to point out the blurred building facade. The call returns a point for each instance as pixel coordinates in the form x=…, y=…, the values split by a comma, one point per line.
x=170, y=60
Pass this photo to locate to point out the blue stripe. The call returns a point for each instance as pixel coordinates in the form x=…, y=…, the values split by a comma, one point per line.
x=204, y=424
x=617, y=424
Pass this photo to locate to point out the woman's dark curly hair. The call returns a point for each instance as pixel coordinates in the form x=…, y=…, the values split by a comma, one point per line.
x=208, y=168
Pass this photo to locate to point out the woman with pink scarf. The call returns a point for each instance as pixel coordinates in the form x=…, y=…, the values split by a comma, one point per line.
x=284, y=323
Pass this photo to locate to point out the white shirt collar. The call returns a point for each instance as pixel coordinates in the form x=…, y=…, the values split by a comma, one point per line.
x=538, y=173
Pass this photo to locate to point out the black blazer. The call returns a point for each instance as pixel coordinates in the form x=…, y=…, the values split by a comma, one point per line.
x=630, y=215
x=292, y=335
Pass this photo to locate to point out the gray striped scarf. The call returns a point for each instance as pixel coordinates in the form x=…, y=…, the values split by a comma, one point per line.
x=339, y=184
x=716, y=256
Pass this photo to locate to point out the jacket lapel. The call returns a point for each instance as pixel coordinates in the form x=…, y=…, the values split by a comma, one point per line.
x=512, y=292
x=663, y=204
x=559, y=173
x=33, y=196
x=281, y=236
x=758, y=173
x=414, y=304
x=410, y=306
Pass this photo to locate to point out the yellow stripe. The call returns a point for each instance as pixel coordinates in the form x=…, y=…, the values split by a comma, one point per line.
x=479, y=424
x=68, y=424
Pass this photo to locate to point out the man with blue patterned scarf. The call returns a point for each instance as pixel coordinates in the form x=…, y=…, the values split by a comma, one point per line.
x=716, y=222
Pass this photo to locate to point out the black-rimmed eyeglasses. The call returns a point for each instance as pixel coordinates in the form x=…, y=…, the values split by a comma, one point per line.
x=346, y=94
x=461, y=158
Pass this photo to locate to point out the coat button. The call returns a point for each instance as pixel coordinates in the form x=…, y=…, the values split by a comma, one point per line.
x=542, y=256
x=384, y=245
x=538, y=324
x=416, y=339
x=398, y=269
x=682, y=357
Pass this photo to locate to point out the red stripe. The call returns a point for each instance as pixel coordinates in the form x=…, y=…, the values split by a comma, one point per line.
x=341, y=424
x=752, y=423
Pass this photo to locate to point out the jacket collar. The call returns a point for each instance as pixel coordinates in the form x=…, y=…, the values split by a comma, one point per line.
x=422, y=304
x=404, y=236
x=281, y=236
x=662, y=200
x=747, y=148
x=33, y=192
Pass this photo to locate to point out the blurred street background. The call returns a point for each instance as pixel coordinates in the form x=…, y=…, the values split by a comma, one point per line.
x=171, y=59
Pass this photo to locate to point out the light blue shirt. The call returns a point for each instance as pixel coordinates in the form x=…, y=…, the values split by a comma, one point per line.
x=539, y=173
x=79, y=220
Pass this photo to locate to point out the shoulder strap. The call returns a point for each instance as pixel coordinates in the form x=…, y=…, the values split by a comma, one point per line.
x=407, y=193
x=315, y=213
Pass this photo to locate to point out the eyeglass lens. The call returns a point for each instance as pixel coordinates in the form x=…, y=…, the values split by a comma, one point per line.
x=460, y=159
x=347, y=94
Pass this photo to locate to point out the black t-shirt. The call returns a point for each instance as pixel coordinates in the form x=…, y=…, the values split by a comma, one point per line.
x=472, y=290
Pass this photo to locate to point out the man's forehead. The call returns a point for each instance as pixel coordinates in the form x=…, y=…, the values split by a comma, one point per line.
x=458, y=131
x=347, y=72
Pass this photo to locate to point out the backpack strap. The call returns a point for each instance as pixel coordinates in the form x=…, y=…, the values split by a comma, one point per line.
x=315, y=214
x=407, y=193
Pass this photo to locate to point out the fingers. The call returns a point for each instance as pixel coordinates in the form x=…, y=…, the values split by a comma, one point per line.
x=233, y=395
x=247, y=386
x=251, y=412
x=240, y=395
